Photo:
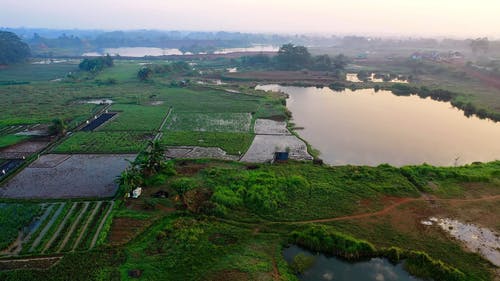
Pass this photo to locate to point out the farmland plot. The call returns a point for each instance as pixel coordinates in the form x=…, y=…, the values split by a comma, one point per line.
x=210, y=122
x=63, y=227
x=68, y=176
x=104, y=142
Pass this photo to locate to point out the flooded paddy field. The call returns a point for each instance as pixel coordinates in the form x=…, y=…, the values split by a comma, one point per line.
x=67, y=176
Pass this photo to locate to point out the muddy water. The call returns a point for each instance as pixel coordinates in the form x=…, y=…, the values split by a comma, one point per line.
x=367, y=128
x=331, y=268
x=477, y=239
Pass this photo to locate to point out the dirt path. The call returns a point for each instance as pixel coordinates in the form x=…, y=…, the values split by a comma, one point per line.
x=73, y=226
x=159, y=133
x=276, y=272
x=32, y=263
x=47, y=227
x=399, y=202
x=61, y=225
x=96, y=235
x=92, y=215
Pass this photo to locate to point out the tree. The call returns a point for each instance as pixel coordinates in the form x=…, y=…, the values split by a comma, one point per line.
x=322, y=62
x=12, y=49
x=96, y=64
x=58, y=127
x=144, y=73
x=291, y=57
x=154, y=159
x=480, y=45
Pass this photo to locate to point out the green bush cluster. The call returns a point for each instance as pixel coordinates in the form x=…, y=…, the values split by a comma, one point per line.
x=260, y=191
x=323, y=239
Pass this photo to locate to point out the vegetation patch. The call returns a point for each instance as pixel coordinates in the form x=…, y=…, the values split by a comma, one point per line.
x=13, y=218
x=232, y=143
x=104, y=142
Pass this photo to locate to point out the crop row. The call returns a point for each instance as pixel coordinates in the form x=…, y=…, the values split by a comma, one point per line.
x=74, y=226
x=27, y=245
x=79, y=228
x=71, y=216
x=91, y=231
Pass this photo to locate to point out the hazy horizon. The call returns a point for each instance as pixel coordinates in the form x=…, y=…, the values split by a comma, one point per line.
x=443, y=18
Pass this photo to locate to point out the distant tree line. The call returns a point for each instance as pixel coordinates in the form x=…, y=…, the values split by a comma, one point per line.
x=12, y=49
x=96, y=64
x=292, y=57
x=174, y=68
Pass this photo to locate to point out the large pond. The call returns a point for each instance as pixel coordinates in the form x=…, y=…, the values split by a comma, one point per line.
x=147, y=51
x=331, y=268
x=365, y=127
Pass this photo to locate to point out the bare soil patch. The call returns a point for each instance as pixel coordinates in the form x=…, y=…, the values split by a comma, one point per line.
x=196, y=152
x=125, y=229
x=225, y=275
x=23, y=149
x=264, y=146
x=270, y=127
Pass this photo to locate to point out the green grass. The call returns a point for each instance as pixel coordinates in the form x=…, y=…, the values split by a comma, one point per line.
x=210, y=122
x=232, y=143
x=36, y=72
x=79, y=228
x=303, y=191
x=103, y=142
x=13, y=217
x=133, y=117
x=9, y=140
x=187, y=249
x=122, y=71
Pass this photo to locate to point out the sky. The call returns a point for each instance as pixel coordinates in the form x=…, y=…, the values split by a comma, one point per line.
x=452, y=18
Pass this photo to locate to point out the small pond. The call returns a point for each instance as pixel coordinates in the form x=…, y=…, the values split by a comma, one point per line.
x=331, y=268
x=365, y=127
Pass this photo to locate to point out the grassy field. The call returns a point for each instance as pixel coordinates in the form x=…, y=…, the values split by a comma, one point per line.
x=104, y=142
x=132, y=117
x=37, y=72
x=9, y=140
x=232, y=143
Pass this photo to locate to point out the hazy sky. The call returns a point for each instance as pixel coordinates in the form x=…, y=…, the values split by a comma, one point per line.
x=462, y=18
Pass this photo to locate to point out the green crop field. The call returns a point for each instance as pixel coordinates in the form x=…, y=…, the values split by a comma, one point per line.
x=133, y=117
x=232, y=143
x=11, y=139
x=104, y=142
x=37, y=72
x=210, y=122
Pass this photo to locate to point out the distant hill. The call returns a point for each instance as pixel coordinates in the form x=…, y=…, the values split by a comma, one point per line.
x=12, y=49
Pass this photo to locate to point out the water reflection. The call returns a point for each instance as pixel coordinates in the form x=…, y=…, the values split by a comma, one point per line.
x=331, y=268
x=368, y=128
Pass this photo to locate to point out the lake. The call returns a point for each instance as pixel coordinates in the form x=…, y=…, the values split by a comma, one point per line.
x=365, y=127
x=149, y=51
x=331, y=268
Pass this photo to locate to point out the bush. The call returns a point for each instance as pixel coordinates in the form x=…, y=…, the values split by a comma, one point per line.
x=319, y=238
x=301, y=262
